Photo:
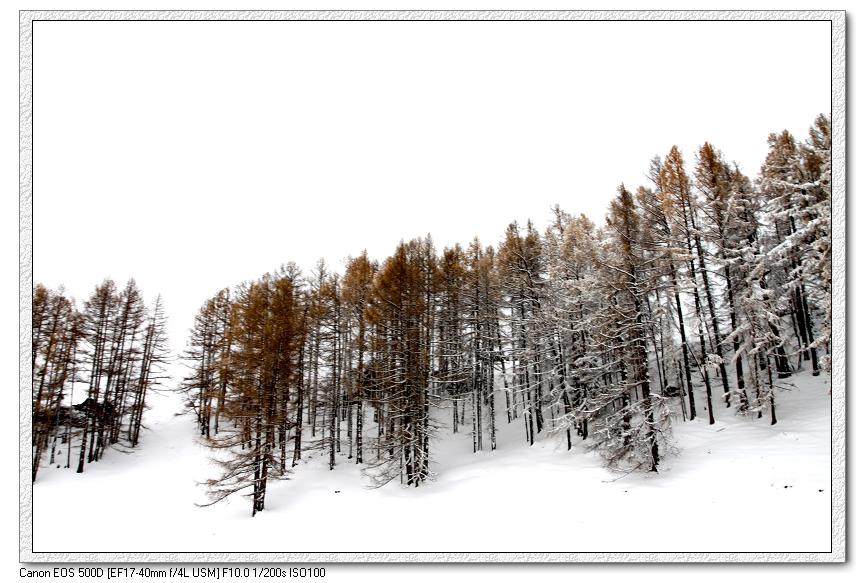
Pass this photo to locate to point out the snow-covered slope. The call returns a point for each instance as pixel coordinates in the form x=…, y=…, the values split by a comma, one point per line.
x=736, y=486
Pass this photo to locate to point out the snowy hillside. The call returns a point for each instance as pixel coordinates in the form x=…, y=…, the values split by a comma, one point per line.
x=737, y=486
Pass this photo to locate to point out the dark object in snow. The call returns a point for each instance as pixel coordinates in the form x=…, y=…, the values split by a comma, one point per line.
x=101, y=411
x=336, y=491
x=671, y=391
x=820, y=490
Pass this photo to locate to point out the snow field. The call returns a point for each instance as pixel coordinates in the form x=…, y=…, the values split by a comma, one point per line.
x=739, y=485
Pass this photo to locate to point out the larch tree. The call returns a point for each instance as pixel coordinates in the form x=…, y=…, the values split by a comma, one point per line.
x=816, y=229
x=631, y=431
x=56, y=335
x=675, y=191
x=788, y=206
x=99, y=313
x=268, y=338
x=659, y=213
x=401, y=364
x=518, y=262
x=356, y=288
x=722, y=190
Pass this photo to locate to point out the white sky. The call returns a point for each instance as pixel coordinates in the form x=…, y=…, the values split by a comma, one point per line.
x=195, y=155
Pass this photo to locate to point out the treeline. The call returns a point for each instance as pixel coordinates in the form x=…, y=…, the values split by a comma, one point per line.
x=110, y=353
x=702, y=289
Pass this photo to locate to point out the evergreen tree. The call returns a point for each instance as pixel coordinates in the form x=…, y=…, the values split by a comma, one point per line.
x=519, y=268
x=356, y=288
x=675, y=191
x=634, y=421
x=56, y=334
x=789, y=207
x=400, y=364
x=723, y=190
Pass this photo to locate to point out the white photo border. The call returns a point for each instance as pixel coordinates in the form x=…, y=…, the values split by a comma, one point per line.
x=839, y=251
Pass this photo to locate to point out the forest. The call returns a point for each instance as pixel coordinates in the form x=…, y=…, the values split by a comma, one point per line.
x=115, y=347
x=700, y=282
